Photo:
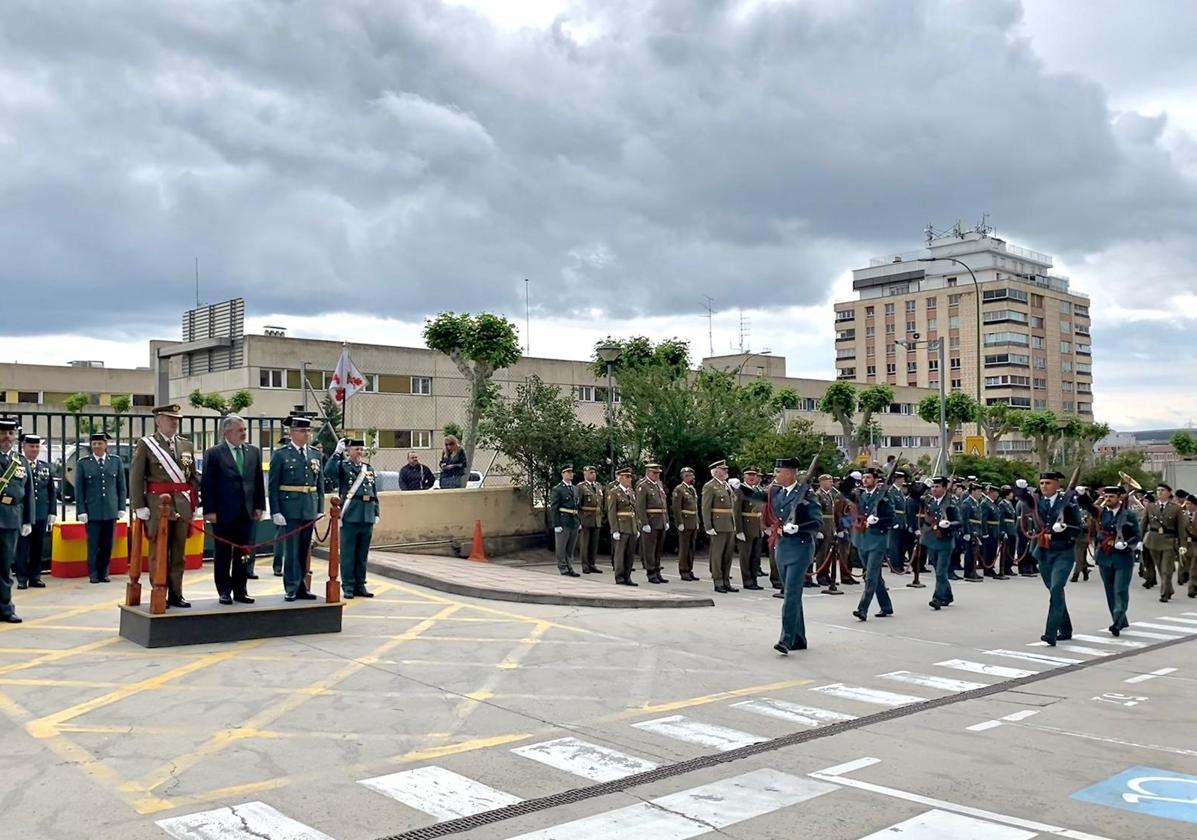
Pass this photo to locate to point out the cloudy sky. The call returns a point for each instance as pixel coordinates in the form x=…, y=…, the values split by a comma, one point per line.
x=393, y=159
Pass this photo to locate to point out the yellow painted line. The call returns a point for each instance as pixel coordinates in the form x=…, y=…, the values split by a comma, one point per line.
x=39, y=622
x=154, y=804
x=47, y=658
x=455, y=749
x=493, y=611
x=48, y=683
x=656, y=708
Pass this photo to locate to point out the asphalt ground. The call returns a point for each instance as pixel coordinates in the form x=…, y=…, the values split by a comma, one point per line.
x=559, y=722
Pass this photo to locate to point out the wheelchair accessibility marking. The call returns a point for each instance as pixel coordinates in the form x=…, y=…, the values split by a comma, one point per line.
x=1147, y=790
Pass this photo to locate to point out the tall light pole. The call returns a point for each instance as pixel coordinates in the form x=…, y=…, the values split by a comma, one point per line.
x=936, y=344
x=977, y=289
x=610, y=352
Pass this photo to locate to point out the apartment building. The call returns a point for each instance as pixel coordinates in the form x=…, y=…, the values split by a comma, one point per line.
x=47, y=387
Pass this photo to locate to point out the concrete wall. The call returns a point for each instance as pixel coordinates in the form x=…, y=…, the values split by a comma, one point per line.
x=428, y=520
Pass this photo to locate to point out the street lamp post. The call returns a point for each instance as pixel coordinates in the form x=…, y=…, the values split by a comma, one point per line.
x=977, y=290
x=609, y=352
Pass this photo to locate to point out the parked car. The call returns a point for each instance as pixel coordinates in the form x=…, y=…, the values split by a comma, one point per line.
x=475, y=480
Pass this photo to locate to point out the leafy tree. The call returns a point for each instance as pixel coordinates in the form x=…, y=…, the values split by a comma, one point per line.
x=1046, y=430
x=997, y=421
x=238, y=402
x=334, y=419
x=454, y=429
x=997, y=471
x=478, y=345
x=842, y=400
x=121, y=403
x=959, y=408
x=1104, y=471
x=75, y=404
x=638, y=352
x=797, y=439
x=1184, y=443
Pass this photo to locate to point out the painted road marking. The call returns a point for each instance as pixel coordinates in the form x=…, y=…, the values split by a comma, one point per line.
x=984, y=668
x=1104, y=640
x=1141, y=634
x=1147, y=790
x=1162, y=672
x=1176, y=618
x=590, y=761
x=694, y=812
x=805, y=715
x=722, y=738
x=1041, y=658
x=439, y=792
x=1011, y=718
x=943, y=825
x=248, y=821
x=1171, y=628
x=941, y=683
x=867, y=695
x=1063, y=645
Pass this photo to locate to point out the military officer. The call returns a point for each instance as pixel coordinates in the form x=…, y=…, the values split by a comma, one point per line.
x=563, y=515
x=1117, y=537
x=1008, y=525
x=723, y=525
x=1163, y=525
x=100, y=493
x=899, y=536
x=1081, y=549
x=296, y=502
x=279, y=544
x=590, y=508
x=685, y=519
x=652, y=512
x=991, y=533
x=941, y=519
x=876, y=507
x=1191, y=549
x=826, y=560
x=16, y=513
x=970, y=519
x=1184, y=547
x=355, y=478
x=1057, y=552
x=43, y=503
x=621, y=516
x=749, y=509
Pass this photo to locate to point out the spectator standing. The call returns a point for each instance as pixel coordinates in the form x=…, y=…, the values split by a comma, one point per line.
x=415, y=476
x=453, y=464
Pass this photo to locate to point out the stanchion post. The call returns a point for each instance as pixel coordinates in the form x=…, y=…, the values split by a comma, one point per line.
x=133, y=587
x=332, y=589
x=307, y=561
x=161, y=545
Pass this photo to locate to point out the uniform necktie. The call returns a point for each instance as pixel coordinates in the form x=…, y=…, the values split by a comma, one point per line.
x=239, y=458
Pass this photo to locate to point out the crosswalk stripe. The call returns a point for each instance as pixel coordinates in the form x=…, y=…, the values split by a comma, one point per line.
x=682, y=728
x=943, y=825
x=1143, y=634
x=985, y=668
x=867, y=695
x=590, y=761
x=793, y=712
x=1041, y=658
x=694, y=812
x=440, y=792
x=247, y=821
x=1176, y=619
x=1162, y=672
x=1087, y=651
x=941, y=683
x=1171, y=628
x=1107, y=641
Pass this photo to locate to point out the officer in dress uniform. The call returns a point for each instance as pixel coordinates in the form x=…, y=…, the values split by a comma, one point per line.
x=590, y=511
x=354, y=477
x=1008, y=524
x=940, y=521
x=16, y=513
x=43, y=502
x=621, y=516
x=1163, y=527
x=877, y=508
x=100, y=494
x=1117, y=537
x=749, y=509
x=279, y=545
x=1184, y=549
x=1056, y=552
x=970, y=523
x=652, y=512
x=899, y=536
x=723, y=525
x=991, y=533
x=826, y=560
x=164, y=463
x=297, y=502
x=563, y=515
x=1191, y=547
x=685, y=519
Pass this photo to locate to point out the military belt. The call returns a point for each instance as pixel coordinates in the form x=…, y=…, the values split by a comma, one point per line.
x=7, y=500
x=567, y=510
x=591, y=509
x=721, y=510
x=626, y=513
x=753, y=513
x=992, y=522
x=975, y=521
x=1163, y=531
x=655, y=510
x=297, y=488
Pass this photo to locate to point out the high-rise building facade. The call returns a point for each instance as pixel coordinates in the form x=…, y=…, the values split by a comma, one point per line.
x=1026, y=344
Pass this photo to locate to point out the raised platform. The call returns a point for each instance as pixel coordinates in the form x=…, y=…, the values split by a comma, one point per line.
x=208, y=621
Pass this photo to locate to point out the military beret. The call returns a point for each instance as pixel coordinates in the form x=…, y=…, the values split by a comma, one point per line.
x=1163, y=486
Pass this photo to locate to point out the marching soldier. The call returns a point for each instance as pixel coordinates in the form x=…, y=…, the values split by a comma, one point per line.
x=99, y=502
x=359, y=512
x=1163, y=525
x=826, y=551
x=685, y=518
x=1081, y=557
x=970, y=518
x=16, y=513
x=164, y=463
x=940, y=521
x=899, y=536
x=1008, y=525
x=723, y=525
x=991, y=533
x=43, y=502
x=590, y=506
x=621, y=516
x=1191, y=549
x=749, y=510
x=1117, y=537
x=1184, y=546
x=297, y=502
x=874, y=504
x=563, y=516
x=1060, y=522
x=283, y=440
x=652, y=512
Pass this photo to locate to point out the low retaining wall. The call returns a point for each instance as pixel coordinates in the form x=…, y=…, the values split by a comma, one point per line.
x=442, y=521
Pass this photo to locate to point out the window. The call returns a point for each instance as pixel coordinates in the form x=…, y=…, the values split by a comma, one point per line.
x=847, y=373
x=1067, y=386
x=999, y=338
x=1037, y=301
x=143, y=400
x=845, y=335
x=1084, y=348
x=1066, y=367
x=1080, y=310
x=931, y=304
x=1070, y=406
x=33, y=397
x=898, y=289
x=845, y=353
x=1004, y=315
x=870, y=350
x=911, y=326
x=584, y=393
x=1065, y=346
x=1065, y=308
x=1040, y=384
x=953, y=300
x=889, y=309
x=1004, y=294
x=1007, y=380
x=1084, y=408
x=932, y=324
x=952, y=282
x=394, y=383
x=933, y=364
x=1081, y=329
x=405, y=439
x=1040, y=405
x=1084, y=368
x=421, y=385
x=910, y=305
x=1038, y=342
x=1003, y=359
x=889, y=329
x=869, y=311
x=955, y=363
x=1036, y=322
x=912, y=367
x=870, y=331
x=1065, y=327
x=1013, y=402
x=954, y=343
x=1040, y=363
x=891, y=368
x=871, y=370
x=956, y=384
x=845, y=315
x=272, y=378
x=954, y=322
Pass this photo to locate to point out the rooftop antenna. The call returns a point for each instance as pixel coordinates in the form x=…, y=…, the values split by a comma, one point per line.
x=527, y=319
x=197, y=298
x=710, y=323
x=929, y=233
x=983, y=227
x=745, y=332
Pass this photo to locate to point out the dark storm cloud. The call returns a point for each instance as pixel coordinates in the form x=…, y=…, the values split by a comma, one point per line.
x=408, y=157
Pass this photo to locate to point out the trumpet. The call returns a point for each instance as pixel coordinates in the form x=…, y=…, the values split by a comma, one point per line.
x=1132, y=487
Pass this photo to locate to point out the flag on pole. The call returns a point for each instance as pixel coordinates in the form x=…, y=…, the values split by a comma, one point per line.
x=347, y=380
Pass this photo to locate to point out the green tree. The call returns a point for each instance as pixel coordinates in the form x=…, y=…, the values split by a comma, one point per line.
x=797, y=439
x=328, y=435
x=959, y=408
x=842, y=400
x=1104, y=472
x=454, y=429
x=1185, y=444
x=992, y=470
x=75, y=404
x=234, y=404
x=997, y=421
x=1045, y=430
x=478, y=345
x=638, y=352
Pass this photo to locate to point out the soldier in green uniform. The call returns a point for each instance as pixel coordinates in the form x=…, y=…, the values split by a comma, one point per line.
x=359, y=512
x=1008, y=523
x=749, y=508
x=279, y=545
x=685, y=519
x=1191, y=547
x=1061, y=521
x=723, y=525
x=1117, y=537
x=100, y=494
x=876, y=507
x=1163, y=525
x=1184, y=548
x=898, y=546
x=652, y=511
x=164, y=463
x=827, y=561
x=991, y=533
x=296, y=502
x=43, y=502
x=563, y=515
x=590, y=511
x=970, y=519
x=940, y=519
x=16, y=513
x=621, y=516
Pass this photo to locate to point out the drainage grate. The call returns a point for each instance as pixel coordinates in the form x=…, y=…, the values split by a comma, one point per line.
x=544, y=803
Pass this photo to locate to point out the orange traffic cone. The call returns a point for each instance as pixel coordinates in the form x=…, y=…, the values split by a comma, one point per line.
x=478, y=551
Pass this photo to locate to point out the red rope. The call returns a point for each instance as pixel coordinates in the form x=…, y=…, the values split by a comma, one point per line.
x=253, y=547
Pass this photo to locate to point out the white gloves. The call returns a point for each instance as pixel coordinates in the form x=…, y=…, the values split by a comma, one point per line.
x=872, y=520
x=615, y=536
x=1021, y=484
x=1082, y=490
x=558, y=529
x=733, y=483
x=945, y=524
x=26, y=530
x=120, y=514
x=968, y=537
x=82, y=518
x=855, y=474
x=1182, y=551
x=142, y=513
x=711, y=532
x=789, y=528
x=377, y=519
x=646, y=528
x=666, y=526
x=740, y=537
x=818, y=535
x=1059, y=527
x=1120, y=545
x=681, y=526
x=51, y=519
x=279, y=520
x=340, y=447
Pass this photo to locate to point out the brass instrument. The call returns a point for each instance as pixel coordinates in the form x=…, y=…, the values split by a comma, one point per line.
x=1132, y=487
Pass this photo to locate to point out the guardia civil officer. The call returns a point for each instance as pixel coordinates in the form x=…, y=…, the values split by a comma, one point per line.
x=563, y=515
x=296, y=503
x=16, y=518
x=1117, y=539
x=940, y=522
x=43, y=501
x=100, y=492
x=360, y=511
x=1061, y=518
x=876, y=506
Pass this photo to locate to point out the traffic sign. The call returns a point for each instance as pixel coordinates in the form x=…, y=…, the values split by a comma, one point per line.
x=1147, y=790
x=974, y=446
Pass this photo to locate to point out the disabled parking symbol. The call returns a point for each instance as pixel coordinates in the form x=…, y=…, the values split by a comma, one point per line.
x=1147, y=790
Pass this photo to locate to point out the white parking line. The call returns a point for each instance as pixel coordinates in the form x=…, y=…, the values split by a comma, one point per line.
x=439, y=792
x=867, y=695
x=942, y=825
x=994, y=724
x=247, y=821
x=1041, y=658
x=941, y=683
x=683, y=728
x=1162, y=672
x=1104, y=640
x=590, y=761
x=985, y=668
x=793, y=712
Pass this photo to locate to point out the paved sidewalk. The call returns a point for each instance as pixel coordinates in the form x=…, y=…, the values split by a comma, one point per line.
x=511, y=583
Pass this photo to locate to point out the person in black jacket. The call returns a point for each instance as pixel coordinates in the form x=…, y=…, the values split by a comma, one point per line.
x=415, y=476
x=234, y=498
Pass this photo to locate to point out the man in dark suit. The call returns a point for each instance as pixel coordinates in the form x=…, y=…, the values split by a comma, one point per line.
x=234, y=497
